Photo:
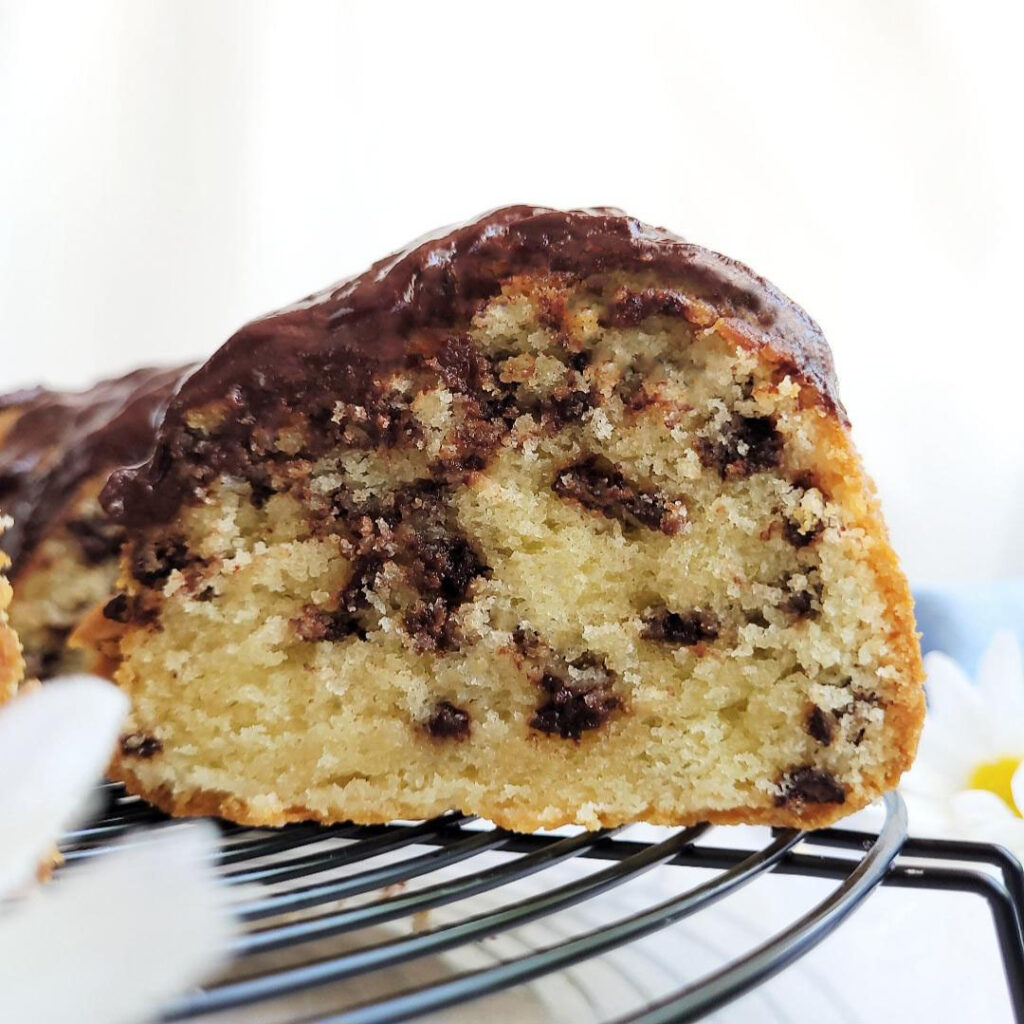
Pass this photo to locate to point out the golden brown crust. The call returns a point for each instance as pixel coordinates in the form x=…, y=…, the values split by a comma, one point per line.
x=905, y=717
x=842, y=473
x=12, y=665
x=203, y=803
x=99, y=638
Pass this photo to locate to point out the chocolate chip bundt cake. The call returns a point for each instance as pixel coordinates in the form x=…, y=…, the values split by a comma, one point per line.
x=56, y=452
x=553, y=518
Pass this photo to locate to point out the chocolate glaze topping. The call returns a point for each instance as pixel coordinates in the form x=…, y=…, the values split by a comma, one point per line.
x=59, y=439
x=333, y=344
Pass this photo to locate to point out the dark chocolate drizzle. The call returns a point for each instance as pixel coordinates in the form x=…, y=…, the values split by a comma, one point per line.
x=333, y=345
x=58, y=439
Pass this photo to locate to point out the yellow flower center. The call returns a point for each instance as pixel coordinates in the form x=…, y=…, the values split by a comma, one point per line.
x=995, y=777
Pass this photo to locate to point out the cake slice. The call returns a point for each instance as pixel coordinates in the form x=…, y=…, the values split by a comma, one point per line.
x=554, y=518
x=56, y=451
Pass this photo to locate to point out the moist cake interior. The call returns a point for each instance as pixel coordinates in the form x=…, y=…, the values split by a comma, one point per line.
x=594, y=556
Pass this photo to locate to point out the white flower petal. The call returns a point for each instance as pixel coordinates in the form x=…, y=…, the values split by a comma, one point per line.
x=920, y=781
x=943, y=752
x=931, y=818
x=55, y=742
x=955, y=701
x=114, y=940
x=1000, y=680
x=967, y=726
x=1017, y=786
x=979, y=809
x=1000, y=673
x=949, y=681
x=1008, y=831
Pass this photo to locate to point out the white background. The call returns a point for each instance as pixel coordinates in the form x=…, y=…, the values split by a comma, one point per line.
x=171, y=168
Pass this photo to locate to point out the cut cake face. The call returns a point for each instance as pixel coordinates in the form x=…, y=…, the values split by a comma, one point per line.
x=553, y=518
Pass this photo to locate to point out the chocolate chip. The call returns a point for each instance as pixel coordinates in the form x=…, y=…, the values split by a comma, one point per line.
x=598, y=485
x=869, y=697
x=444, y=564
x=571, y=408
x=572, y=709
x=411, y=538
x=534, y=656
x=485, y=414
x=46, y=663
x=526, y=641
x=474, y=442
x=117, y=609
x=447, y=722
x=431, y=627
x=384, y=419
x=501, y=407
x=820, y=726
x=151, y=565
x=633, y=392
x=745, y=445
x=803, y=594
x=98, y=538
x=206, y=594
x=122, y=608
x=579, y=361
x=316, y=624
x=684, y=629
x=365, y=570
x=137, y=744
x=806, y=785
x=260, y=491
x=802, y=604
x=792, y=531
x=579, y=693
x=807, y=481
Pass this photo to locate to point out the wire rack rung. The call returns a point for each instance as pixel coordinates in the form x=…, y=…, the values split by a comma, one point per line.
x=295, y=886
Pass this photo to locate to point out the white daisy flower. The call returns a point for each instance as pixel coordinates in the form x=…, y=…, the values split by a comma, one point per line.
x=112, y=940
x=968, y=779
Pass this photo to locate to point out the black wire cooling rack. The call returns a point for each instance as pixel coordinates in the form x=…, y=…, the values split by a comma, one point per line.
x=304, y=889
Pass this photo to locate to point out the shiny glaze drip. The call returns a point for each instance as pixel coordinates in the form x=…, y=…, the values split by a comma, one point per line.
x=56, y=440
